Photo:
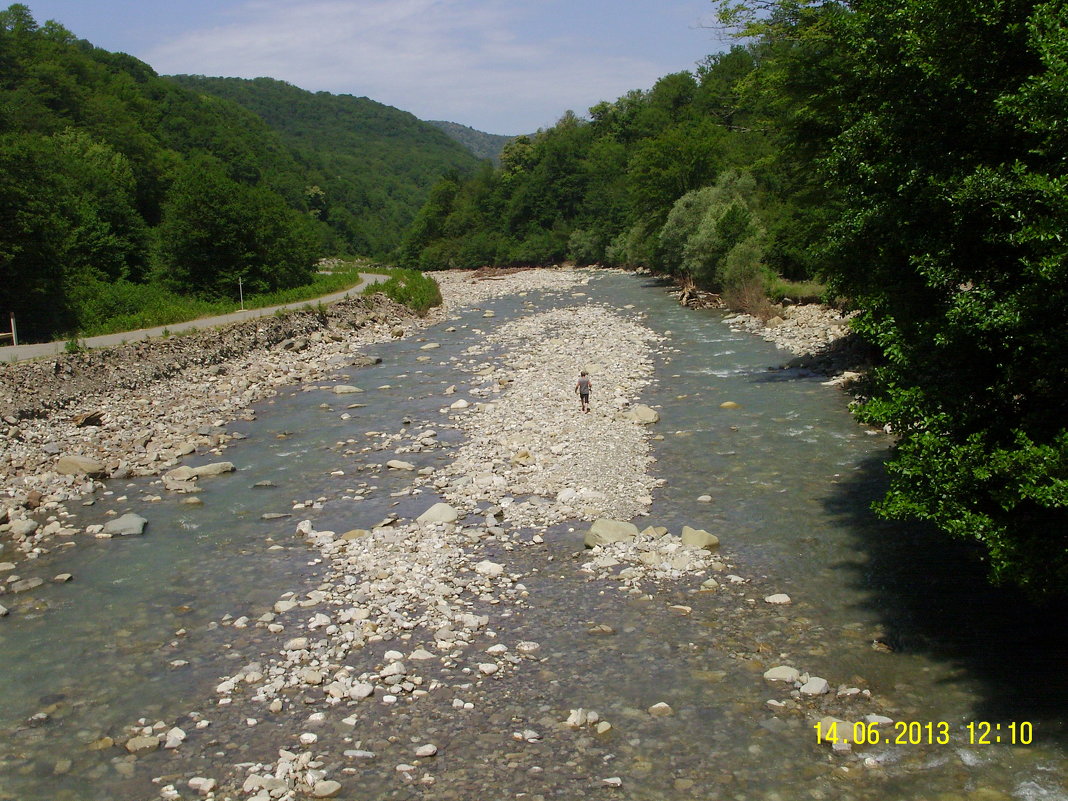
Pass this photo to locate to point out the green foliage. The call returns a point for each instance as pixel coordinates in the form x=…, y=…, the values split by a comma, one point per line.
x=596, y=190
x=482, y=145
x=713, y=236
x=216, y=231
x=111, y=307
x=934, y=137
x=111, y=174
x=371, y=164
x=417, y=291
x=780, y=289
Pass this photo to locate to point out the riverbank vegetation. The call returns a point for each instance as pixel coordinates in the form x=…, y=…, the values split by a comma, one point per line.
x=110, y=308
x=910, y=154
x=120, y=187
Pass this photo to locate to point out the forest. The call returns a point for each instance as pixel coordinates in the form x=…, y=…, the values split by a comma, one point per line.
x=904, y=158
x=121, y=189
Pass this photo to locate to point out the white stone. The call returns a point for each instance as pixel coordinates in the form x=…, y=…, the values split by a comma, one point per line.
x=489, y=569
x=815, y=686
x=661, y=710
x=779, y=598
x=201, y=785
x=439, y=513
x=782, y=673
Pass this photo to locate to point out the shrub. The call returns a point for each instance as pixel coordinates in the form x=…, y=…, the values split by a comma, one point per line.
x=417, y=291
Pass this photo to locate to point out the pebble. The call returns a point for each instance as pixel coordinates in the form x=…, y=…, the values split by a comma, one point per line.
x=201, y=785
x=661, y=710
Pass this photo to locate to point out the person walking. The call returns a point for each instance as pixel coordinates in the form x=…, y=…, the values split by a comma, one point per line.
x=582, y=389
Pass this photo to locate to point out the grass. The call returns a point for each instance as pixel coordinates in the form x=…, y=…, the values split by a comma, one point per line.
x=107, y=308
x=779, y=288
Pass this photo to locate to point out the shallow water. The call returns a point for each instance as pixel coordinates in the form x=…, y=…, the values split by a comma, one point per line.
x=791, y=477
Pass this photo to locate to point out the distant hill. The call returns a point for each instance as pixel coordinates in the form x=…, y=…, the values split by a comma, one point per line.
x=373, y=163
x=484, y=145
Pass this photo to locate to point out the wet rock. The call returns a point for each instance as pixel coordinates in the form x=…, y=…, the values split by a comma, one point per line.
x=142, y=744
x=699, y=538
x=213, y=469
x=174, y=738
x=201, y=785
x=346, y=389
x=603, y=532
x=326, y=789
x=661, y=710
x=397, y=464
x=779, y=598
x=126, y=525
x=782, y=673
x=25, y=585
x=815, y=686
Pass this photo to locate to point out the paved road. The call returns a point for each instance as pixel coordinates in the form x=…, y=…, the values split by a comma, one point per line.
x=18, y=353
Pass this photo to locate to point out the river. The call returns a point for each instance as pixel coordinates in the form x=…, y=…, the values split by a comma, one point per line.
x=893, y=617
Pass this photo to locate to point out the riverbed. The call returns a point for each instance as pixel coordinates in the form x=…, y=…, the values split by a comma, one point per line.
x=899, y=624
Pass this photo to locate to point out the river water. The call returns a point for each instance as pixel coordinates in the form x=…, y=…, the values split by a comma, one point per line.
x=146, y=628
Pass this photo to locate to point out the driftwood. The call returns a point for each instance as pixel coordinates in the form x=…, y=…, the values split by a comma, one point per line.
x=95, y=418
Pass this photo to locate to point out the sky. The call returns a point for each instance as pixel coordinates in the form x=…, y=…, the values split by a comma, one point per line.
x=501, y=66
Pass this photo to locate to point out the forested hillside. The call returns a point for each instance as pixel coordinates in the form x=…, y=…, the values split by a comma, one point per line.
x=483, y=145
x=371, y=165
x=682, y=177
x=908, y=152
x=121, y=189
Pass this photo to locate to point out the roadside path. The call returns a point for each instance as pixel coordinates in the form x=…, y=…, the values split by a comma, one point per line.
x=11, y=353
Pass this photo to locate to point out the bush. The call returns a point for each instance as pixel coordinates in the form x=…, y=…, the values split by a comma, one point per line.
x=745, y=279
x=417, y=291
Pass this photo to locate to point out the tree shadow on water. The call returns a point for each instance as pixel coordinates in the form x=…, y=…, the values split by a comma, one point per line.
x=933, y=598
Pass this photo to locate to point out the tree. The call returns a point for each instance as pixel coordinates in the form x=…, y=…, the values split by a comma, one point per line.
x=216, y=231
x=948, y=157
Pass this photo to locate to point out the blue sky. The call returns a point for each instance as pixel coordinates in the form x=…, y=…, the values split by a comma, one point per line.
x=502, y=66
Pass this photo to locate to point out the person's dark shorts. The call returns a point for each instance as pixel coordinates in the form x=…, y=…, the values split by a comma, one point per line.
x=584, y=397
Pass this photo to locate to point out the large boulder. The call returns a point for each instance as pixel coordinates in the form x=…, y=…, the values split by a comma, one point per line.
x=643, y=414
x=128, y=524
x=699, y=538
x=182, y=473
x=604, y=532
x=24, y=527
x=439, y=513
x=80, y=466
x=213, y=469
